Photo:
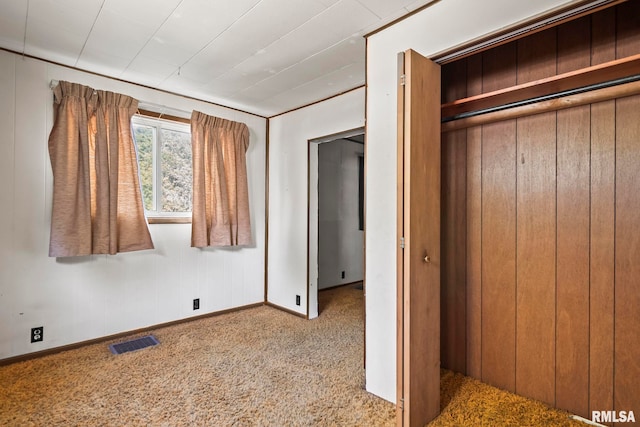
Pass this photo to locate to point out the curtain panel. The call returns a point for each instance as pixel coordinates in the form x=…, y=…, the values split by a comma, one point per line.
x=97, y=201
x=220, y=214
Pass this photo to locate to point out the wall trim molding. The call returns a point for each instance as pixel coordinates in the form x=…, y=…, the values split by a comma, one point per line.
x=286, y=310
x=55, y=350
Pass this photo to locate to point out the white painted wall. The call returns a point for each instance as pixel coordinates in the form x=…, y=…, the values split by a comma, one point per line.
x=340, y=241
x=288, y=153
x=443, y=25
x=78, y=299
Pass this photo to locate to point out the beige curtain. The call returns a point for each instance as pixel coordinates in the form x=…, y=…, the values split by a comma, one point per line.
x=220, y=195
x=97, y=202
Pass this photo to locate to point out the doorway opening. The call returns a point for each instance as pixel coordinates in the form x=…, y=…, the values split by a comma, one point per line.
x=336, y=214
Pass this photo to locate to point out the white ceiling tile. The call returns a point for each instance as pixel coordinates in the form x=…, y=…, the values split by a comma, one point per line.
x=12, y=22
x=145, y=13
x=115, y=35
x=264, y=56
x=124, y=27
x=328, y=3
x=337, y=57
x=267, y=22
x=328, y=85
x=148, y=70
x=181, y=83
x=384, y=8
x=205, y=71
x=342, y=19
x=193, y=25
x=60, y=27
x=416, y=4
x=103, y=63
x=169, y=50
x=326, y=29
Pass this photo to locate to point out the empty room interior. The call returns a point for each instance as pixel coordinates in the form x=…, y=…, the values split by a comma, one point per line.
x=320, y=212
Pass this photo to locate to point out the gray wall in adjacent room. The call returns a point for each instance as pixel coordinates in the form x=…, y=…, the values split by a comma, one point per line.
x=340, y=241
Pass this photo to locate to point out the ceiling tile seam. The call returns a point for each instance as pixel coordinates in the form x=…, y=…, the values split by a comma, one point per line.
x=26, y=24
x=300, y=107
x=266, y=48
x=306, y=83
x=89, y=35
x=211, y=41
x=293, y=65
x=151, y=38
x=370, y=10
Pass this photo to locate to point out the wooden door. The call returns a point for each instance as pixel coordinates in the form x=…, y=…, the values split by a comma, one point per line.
x=419, y=250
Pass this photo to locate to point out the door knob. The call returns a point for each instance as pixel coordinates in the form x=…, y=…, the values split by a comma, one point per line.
x=427, y=259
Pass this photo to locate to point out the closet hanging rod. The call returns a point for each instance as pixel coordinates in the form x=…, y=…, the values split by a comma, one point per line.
x=561, y=94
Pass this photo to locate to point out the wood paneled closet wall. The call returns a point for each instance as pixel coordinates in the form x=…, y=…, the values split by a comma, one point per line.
x=541, y=227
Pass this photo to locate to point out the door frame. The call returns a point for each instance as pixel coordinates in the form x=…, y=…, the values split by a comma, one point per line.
x=312, y=215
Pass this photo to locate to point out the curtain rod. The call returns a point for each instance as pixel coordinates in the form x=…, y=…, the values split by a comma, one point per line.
x=143, y=104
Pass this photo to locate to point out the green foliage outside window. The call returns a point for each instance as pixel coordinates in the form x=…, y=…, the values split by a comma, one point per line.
x=143, y=136
x=173, y=176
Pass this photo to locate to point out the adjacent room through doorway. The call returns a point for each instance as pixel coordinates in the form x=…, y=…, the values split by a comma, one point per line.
x=336, y=213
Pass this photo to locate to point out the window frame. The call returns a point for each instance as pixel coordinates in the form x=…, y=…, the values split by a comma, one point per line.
x=158, y=123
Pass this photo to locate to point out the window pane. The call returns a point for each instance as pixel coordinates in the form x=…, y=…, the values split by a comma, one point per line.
x=176, y=169
x=144, y=136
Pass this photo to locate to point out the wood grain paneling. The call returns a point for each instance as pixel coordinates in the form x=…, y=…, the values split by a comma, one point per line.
x=474, y=229
x=499, y=68
x=573, y=167
x=499, y=261
x=627, y=250
x=552, y=220
x=627, y=214
x=536, y=231
x=627, y=29
x=572, y=312
x=454, y=81
x=536, y=251
x=602, y=256
x=453, y=274
x=474, y=253
x=601, y=313
x=454, y=219
x=499, y=229
x=603, y=37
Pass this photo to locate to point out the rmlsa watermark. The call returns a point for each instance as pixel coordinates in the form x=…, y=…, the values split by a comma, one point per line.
x=613, y=417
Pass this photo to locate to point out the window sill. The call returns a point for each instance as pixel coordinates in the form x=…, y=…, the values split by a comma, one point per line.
x=169, y=220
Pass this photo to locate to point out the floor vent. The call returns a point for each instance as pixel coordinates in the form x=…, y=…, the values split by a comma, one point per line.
x=133, y=345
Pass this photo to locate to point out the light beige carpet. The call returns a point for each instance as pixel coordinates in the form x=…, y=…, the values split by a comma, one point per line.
x=258, y=367
x=255, y=367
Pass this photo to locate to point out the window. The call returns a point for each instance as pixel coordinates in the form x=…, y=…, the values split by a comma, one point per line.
x=164, y=158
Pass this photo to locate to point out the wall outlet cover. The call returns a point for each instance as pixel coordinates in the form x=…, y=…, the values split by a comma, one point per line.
x=297, y=299
x=196, y=304
x=37, y=334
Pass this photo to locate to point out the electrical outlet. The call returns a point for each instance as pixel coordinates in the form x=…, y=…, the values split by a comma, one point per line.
x=343, y=275
x=297, y=299
x=196, y=304
x=37, y=334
